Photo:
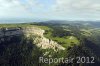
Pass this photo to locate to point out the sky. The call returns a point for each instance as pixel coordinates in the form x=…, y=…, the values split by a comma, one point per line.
x=50, y=9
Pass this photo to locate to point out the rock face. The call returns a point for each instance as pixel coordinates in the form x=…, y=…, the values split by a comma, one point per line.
x=10, y=32
x=45, y=43
x=33, y=30
x=39, y=40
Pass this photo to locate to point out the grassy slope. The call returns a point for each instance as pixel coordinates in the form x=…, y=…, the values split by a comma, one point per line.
x=64, y=41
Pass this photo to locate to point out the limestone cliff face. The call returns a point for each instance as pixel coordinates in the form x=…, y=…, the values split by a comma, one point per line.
x=42, y=41
x=10, y=32
x=39, y=40
x=45, y=43
x=33, y=31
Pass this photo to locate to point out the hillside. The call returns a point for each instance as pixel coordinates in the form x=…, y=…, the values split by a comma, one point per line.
x=23, y=44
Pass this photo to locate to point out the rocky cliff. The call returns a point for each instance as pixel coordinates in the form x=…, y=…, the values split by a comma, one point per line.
x=42, y=41
x=39, y=39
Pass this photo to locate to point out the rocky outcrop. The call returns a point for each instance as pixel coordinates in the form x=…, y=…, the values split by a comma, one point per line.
x=10, y=32
x=33, y=31
x=42, y=41
x=39, y=39
x=45, y=43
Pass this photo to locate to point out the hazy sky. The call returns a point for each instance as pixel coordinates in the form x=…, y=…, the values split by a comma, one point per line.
x=51, y=9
